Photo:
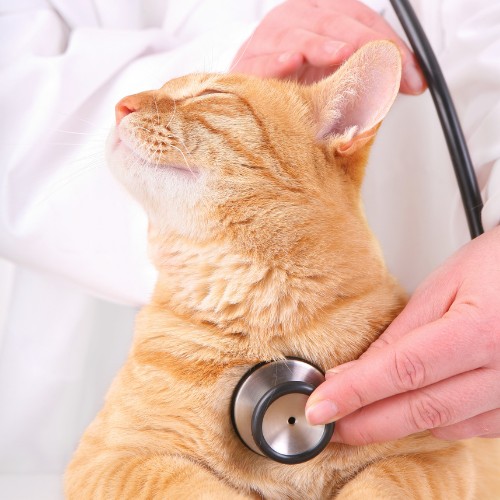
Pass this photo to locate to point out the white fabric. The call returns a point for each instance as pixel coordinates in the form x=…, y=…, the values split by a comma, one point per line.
x=74, y=235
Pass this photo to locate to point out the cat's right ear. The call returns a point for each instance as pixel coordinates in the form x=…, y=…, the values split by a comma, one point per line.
x=349, y=105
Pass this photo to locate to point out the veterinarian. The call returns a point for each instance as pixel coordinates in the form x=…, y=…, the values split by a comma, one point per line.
x=76, y=264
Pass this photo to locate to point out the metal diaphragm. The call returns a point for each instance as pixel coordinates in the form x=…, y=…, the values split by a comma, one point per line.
x=268, y=411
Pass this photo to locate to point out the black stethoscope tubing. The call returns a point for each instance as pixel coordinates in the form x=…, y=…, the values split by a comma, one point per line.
x=460, y=157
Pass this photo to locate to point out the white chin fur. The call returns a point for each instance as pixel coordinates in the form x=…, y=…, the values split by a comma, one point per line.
x=168, y=194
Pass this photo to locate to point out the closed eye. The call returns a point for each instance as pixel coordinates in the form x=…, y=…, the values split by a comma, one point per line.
x=210, y=92
x=204, y=93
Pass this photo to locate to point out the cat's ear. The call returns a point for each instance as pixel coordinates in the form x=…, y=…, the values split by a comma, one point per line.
x=349, y=105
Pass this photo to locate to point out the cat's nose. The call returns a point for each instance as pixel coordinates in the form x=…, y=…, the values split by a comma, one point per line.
x=126, y=106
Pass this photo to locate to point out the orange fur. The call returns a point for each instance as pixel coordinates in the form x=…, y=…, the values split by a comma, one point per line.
x=263, y=252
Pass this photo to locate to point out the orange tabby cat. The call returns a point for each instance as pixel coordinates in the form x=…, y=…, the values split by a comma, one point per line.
x=252, y=189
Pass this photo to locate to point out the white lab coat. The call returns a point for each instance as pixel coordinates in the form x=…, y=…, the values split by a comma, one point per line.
x=77, y=240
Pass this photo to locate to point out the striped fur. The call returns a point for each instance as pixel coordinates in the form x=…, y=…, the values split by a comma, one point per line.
x=263, y=251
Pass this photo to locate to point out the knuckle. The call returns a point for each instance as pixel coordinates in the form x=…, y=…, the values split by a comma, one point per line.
x=494, y=347
x=312, y=44
x=280, y=38
x=322, y=25
x=486, y=326
x=446, y=434
x=290, y=39
x=482, y=326
x=346, y=51
x=381, y=343
x=427, y=412
x=361, y=437
x=408, y=371
x=489, y=333
x=357, y=398
x=367, y=17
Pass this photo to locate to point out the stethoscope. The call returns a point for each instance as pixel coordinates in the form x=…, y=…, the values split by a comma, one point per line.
x=268, y=404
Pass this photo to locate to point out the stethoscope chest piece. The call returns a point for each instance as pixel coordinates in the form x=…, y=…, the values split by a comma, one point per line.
x=268, y=411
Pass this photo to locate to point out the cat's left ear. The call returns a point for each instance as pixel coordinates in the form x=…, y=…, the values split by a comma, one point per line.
x=349, y=105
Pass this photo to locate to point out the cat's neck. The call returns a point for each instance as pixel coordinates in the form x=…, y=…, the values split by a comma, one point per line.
x=271, y=303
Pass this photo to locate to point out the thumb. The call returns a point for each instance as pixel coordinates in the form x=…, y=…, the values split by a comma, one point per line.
x=432, y=299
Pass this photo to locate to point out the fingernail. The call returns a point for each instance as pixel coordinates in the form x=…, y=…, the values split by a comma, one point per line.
x=331, y=47
x=338, y=369
x=321, y=412
x=413, y=80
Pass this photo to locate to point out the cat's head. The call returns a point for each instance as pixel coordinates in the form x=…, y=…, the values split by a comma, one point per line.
x=267, y=164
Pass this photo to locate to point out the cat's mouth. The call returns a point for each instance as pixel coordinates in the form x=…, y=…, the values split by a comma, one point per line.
x=142, y=159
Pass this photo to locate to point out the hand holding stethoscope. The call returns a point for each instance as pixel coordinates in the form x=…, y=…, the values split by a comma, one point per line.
x=436, y=367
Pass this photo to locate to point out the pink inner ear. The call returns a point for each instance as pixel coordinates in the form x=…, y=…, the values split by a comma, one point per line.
x=362, y=92
x=373, y=99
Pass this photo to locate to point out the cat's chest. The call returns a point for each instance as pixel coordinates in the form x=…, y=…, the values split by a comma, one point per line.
x=218, y=446
x=191, y=375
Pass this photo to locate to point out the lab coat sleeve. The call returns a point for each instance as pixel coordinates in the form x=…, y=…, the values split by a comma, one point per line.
x=60, y=210
x=471, y=62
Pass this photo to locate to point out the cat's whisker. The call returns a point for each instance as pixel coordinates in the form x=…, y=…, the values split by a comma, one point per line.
x=240, y=57
x=90, y=157
x=59, y=184
x=139, y=127
x=178, y=139
x=145, y=129
x=181, y=142
x=95, y=126
x=156, y=154
x=153, y=156
x=173, y=114
x=147, y=159
x=65, y=144
x=156, y=106
x=98, y=135
x=93, y=156
x=184, y=157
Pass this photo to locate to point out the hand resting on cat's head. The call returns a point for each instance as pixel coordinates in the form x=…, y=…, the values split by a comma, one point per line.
x=307, y=40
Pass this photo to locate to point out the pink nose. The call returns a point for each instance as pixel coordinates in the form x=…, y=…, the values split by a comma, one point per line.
x=126, y=106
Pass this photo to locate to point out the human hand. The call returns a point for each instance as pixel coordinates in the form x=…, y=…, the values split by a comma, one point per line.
x=436, y=367
x=307, y=40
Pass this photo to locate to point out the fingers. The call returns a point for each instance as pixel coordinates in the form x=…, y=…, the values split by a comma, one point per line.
x=440, y=407
x=318, y=50
x=431, y=301
x=299, y=48
x=288, y=56
x=276, y=65
x=325, y=34
x=429, y=354
x=438, y=294
x=485, y=425
x=413, y=80
x=436, y=367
